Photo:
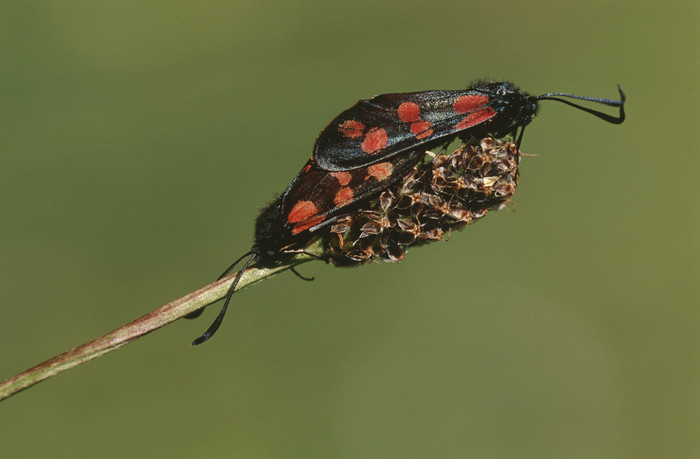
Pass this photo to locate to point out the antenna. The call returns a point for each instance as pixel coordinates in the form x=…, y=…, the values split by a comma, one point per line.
x=604, y=116
x=217, y=322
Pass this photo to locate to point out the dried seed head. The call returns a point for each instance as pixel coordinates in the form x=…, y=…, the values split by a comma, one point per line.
x=436, y=197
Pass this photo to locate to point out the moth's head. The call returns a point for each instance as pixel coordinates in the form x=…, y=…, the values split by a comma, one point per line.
x=515, y=107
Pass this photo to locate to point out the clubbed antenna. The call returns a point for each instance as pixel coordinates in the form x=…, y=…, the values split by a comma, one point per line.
x=217, y=322
x=604, y=116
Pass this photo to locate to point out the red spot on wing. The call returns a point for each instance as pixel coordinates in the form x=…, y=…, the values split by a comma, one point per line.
x=380, y=171
x=342, y=177
x=421, y=129
x=375, y=140
x=343, y=196
x=352, y=129
x=465, y=104
x=306, y=224
x=301, y=211
x=476, y=118
x=409, y=112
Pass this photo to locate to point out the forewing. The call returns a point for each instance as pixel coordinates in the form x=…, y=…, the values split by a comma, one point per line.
x=316, y=196
x=376, y=129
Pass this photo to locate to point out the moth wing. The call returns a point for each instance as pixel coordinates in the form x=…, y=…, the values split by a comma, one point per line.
x=376, y=129
x=316, y=196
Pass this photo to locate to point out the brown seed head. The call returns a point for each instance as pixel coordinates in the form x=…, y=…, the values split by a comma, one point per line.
x=435, y=198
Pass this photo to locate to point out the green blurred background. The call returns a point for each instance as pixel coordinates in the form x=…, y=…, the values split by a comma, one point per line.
x=140, y=138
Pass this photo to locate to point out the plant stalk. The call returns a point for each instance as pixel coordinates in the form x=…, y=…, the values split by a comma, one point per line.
x=145, y=324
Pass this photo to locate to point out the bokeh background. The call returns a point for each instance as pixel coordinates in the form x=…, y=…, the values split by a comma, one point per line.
x=139, y=139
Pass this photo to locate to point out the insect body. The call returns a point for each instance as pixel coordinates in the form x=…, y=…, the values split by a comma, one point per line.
x=375, y=143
